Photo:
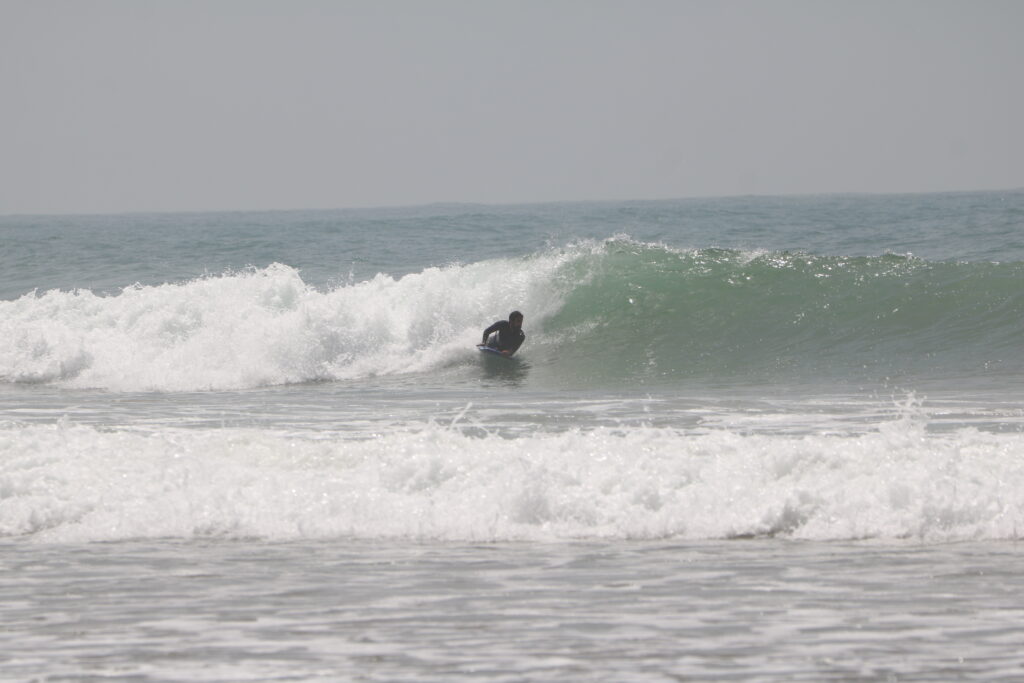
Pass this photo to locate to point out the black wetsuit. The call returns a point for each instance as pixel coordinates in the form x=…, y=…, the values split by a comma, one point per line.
x=506, y=339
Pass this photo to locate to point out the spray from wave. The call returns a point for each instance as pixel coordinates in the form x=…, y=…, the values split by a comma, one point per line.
x=261, y=327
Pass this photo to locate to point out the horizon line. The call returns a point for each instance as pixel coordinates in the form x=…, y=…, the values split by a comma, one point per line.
x=498, y=204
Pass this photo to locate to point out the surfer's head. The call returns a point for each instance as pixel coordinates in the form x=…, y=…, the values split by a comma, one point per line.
x=516, y=319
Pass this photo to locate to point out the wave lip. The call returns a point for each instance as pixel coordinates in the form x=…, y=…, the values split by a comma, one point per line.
x=70, y=483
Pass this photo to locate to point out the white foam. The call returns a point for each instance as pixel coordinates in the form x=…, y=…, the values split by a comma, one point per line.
x=67, y=482
x=264, y=327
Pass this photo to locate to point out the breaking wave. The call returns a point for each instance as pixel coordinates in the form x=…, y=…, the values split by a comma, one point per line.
x=598, y=312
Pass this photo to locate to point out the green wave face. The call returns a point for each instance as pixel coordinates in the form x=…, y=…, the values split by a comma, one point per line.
x=636, y=312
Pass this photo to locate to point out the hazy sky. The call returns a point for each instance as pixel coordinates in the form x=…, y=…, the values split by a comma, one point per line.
x=250, y=104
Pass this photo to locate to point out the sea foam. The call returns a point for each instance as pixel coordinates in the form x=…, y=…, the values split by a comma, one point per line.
x=262, y=327
x=69, y=483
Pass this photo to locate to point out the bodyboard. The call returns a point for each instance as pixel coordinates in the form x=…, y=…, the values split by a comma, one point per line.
x=483, y=348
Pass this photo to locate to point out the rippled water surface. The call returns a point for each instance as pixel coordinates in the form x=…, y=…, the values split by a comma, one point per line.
x=653, y=610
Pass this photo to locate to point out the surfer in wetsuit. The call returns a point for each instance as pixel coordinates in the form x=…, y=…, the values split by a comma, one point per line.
x=506, y=335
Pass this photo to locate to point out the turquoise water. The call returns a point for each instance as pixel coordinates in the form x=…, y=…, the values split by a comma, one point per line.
x=106, y=253
x=747, y=291
x=704, y=383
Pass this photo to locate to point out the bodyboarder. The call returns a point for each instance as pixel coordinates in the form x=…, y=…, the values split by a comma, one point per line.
x=506, y=336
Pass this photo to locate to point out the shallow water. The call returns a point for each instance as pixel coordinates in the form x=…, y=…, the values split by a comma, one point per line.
x=651, y=610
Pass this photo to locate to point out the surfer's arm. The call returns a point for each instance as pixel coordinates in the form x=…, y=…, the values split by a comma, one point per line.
x=492, y=328
x=515, y=345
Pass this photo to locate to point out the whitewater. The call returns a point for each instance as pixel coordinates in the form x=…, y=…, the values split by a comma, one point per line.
x=746, y=438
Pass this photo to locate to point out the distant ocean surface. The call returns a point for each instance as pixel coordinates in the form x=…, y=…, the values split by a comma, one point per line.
x=770, y=438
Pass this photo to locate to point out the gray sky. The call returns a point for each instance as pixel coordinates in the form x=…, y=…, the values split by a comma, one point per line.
x=250, y=104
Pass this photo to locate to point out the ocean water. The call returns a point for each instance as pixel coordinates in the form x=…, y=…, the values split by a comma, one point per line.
x=746, y=439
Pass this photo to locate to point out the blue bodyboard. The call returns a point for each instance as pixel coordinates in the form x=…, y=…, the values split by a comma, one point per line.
x=492, y=351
